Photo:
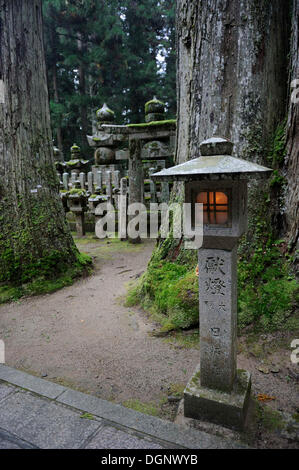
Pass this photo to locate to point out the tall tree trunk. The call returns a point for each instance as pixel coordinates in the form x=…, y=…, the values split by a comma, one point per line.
x=232, y=66
x=291, y=164
x=82, y=85
x=34, y=236
x=232, y=77
x=56, y=99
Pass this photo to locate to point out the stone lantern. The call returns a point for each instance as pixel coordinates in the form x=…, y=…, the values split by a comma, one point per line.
x=218, y=391
x=76, y=163
x=105, y=115
x=154, y=110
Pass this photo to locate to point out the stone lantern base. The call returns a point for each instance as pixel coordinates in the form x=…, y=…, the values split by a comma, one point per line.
x=227, y=409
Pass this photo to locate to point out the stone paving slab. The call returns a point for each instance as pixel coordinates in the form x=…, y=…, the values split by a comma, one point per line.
x=10, y=441
x=5, y=390
x=30, y=382
x=45, y=424
x=49, y=416
x=149, y=425
x=112, y=438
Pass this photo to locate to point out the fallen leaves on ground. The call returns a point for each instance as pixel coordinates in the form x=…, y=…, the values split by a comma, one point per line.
x=263, y=397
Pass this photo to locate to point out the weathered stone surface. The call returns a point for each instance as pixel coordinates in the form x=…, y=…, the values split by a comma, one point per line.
x=218, y=317
x=152, y=117
x=105, y=114
x=211, y=167
x=45, y=424
x=112, y=438
x=43, y=387
x=5, y=390
x=216, y=146
x=155, y=149
x=10, y=441
x=164, y=430
x=225, y=408
x=34, y=421
x=104, y=155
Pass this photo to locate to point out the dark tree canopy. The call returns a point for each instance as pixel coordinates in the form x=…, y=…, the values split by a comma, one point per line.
x=106, y=51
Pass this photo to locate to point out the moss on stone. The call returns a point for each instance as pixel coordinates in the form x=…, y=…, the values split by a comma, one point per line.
x=78, y=191
x=154, y=103
x=72, y=162
x=166, y=123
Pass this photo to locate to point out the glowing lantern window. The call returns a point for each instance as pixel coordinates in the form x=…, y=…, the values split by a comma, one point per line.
x=215, y=207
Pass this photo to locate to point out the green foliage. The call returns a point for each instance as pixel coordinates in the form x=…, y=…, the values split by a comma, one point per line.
x=170, y=290
x=277, y=179
x=278, y=151
x=87, y=416
x=267, y=291
x=268, y=418
x=106, y=51
x=149, y=408
x=78, y=191
x=43, y=280
x=276, y=157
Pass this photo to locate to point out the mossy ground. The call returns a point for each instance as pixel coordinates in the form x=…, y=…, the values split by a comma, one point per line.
x=170, y=292
x=105, y=248
x=45, y=283
x=149, y=408
x=268, y=293
x=162, y=408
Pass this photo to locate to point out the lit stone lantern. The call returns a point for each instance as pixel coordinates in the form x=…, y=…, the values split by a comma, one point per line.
x=217, y=392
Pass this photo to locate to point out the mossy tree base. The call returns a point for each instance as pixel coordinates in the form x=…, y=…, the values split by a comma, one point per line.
x=45, y=284
x=35, y=241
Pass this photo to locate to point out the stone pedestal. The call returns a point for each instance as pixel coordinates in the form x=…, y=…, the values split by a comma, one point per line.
x=217, y=275
x=218, y=392
x=80, y=224
x=216, y=406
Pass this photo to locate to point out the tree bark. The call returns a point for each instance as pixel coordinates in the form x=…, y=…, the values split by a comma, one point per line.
x=56, y=99
x=34, y=236
x=232, y=81
x=82, y=85
x=232, y=72
x=291, y=164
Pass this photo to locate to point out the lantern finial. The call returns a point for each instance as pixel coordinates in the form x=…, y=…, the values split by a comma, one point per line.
x=216, y=146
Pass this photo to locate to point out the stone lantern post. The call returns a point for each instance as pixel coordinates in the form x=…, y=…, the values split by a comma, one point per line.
x=218, y=391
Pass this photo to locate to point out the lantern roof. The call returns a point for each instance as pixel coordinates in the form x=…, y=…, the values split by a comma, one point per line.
x=214, y=166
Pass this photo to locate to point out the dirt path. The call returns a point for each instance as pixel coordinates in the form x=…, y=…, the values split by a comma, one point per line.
x=84, y=337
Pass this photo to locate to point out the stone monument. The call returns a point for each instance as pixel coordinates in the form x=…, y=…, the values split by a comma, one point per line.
x=217, y=392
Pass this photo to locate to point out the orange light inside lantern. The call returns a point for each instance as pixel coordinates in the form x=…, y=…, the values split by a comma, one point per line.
x=215, y=207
